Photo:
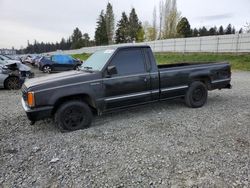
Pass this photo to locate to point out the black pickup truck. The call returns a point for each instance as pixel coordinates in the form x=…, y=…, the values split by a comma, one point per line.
x=118, y=78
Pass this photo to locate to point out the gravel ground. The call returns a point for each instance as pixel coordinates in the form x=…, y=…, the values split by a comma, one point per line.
x=158, y=145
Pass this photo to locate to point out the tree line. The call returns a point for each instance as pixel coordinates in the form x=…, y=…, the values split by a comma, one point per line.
x=167, y=23
x=75, y=41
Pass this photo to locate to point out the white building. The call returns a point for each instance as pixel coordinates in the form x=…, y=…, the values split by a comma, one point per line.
x=8, y=51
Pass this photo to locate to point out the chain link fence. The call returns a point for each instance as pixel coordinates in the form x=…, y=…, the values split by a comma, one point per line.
x=236, y=43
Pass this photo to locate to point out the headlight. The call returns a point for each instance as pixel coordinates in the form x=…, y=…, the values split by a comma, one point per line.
x=31, y=99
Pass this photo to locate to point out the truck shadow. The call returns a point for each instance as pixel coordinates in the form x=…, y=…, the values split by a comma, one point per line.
x=152, y=110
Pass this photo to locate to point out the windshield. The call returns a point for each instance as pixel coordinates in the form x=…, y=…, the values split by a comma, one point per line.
x=2, y=62
x=97, y=61
x=2, y=57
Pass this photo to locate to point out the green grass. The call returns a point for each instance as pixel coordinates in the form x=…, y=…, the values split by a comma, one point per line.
x=81, y=56
x=238, y=62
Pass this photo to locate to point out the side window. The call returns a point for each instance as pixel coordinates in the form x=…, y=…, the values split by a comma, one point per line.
x=129, y=61
x=69, y=60
x=60, y=59
x=54, y=58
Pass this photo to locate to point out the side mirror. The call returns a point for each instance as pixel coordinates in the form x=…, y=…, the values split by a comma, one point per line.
x=111, y=70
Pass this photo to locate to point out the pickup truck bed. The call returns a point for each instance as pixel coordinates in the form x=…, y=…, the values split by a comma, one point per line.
x=119, y=78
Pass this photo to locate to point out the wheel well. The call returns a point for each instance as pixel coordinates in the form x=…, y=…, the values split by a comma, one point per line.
x=205, y=80
x=82, y=97
x=46, y=65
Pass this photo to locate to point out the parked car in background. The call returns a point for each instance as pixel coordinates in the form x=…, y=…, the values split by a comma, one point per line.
x=13, y=73
x=36, y=60
x=28, y=60
x=58, y=63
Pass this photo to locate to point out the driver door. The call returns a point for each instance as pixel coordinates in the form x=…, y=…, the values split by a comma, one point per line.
x=131, y=84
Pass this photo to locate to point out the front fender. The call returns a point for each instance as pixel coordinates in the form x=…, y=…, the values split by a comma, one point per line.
x=51, y=96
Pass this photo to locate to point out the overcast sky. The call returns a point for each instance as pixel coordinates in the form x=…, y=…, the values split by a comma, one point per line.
x=50, y=20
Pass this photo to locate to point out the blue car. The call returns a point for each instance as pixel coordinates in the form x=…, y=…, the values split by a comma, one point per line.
x=56, y=63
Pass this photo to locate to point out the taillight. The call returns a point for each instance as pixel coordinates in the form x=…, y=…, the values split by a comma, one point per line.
x=31, y=99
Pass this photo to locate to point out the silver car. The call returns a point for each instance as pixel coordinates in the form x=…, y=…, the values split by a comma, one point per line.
x=13, y=73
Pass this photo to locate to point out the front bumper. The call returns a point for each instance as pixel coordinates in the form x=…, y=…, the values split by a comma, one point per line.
x=37, y=113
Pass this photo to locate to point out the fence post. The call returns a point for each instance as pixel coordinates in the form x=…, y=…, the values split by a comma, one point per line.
x=237, y=43
x=200, y=44
x=162, y=46
x=174, y=45
x=218, y=43
x=185, y=45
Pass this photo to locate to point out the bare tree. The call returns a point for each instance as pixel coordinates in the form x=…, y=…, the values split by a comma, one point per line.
x=154, y=23
x=247, y=27
x=172, y=17
x=161, y=16
x=167, y=17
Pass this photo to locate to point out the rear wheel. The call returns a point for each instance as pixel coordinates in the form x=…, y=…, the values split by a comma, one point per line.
x=196, y=95
x=77, y=67
x=47, y=69
x=12, y=83
x=73, y=115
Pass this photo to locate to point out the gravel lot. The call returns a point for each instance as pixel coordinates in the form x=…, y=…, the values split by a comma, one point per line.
x=159, y=145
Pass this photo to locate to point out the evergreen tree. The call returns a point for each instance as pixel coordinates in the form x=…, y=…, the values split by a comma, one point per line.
x=233, y=30
x=212, y=31
x=229, y=29
x=101, y=36
x=110, y=21
x=134, y=26
x=203, y=31
x=122, y=32
x=240, y=31
x=183, y=28
x=221, y=30
x=77, y=41
x=86, y=39
x=62, y=44
x=195, y=32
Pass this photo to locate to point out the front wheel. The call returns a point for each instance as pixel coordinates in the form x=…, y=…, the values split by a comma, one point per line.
x=12, y=83
x=77, y=67
x=196, y=95
x=73, y=115
x=47, y=69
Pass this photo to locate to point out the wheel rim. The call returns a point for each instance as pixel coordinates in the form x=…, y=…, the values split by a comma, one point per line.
x=13, y=83
x=198, y=94
x=73, y=117
x=47, y=69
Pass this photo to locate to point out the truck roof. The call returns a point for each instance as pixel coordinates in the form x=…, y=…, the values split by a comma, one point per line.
x=133, y=46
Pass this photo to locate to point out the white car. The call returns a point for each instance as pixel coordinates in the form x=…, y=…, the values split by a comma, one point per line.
x=13, y=73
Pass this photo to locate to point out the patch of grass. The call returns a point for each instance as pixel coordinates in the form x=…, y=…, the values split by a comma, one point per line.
x=238, y=62
x=82, y=57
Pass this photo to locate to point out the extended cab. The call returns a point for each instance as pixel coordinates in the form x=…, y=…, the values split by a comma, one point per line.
x=118, y=78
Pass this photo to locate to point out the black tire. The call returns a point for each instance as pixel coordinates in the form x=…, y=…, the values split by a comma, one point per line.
x=196, y=95
x=77, y=67
x=12, y=83
x=73, y=115
x=47, y=69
